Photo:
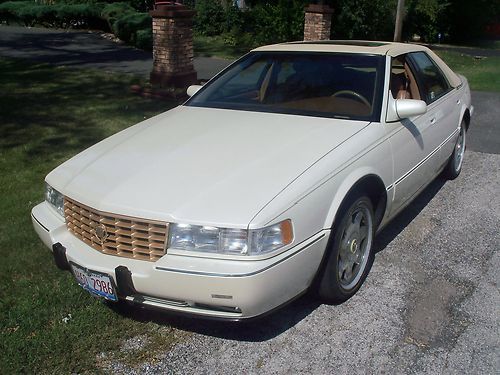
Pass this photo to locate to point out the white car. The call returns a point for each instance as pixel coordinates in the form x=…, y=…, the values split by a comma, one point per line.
x=271, y=180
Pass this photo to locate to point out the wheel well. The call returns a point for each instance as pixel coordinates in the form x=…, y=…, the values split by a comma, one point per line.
x=466, y=118
x=373, y=187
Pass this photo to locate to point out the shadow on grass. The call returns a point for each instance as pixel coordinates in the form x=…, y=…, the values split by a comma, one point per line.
x=287, y=317
x=52, y=112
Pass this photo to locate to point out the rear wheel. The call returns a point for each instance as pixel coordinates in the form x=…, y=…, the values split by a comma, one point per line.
x=454, y=166
x=350, y=254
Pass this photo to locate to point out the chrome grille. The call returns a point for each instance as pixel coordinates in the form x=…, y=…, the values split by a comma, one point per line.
x=118, y=235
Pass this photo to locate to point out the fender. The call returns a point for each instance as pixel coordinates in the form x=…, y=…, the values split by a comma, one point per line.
x=348, y=183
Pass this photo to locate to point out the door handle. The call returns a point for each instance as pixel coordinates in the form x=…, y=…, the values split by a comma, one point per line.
x=458, y=101
x=433, y=120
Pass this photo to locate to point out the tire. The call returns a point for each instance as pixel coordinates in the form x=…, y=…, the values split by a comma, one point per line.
x=350, y=253
x=454, y=165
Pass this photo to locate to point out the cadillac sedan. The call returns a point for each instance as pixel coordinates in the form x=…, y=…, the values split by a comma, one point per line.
x=271, y=180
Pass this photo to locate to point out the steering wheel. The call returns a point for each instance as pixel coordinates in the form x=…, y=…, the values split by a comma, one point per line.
x=354, y=94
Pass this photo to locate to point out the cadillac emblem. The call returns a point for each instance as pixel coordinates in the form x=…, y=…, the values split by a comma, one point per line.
x=101, y=233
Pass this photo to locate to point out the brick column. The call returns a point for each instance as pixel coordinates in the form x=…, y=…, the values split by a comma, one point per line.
x=318, y=22
x=173, y=46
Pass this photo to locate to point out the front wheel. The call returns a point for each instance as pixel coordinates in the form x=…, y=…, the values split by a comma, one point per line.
x=454, y=166
x=350, y=253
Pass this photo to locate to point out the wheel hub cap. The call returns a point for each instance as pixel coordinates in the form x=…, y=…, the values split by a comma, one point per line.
x=354, y=246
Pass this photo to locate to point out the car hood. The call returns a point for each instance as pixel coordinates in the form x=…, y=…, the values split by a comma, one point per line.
x=199, y=165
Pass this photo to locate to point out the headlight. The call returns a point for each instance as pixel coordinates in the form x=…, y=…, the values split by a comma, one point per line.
x=230, y=241
x=55, y=198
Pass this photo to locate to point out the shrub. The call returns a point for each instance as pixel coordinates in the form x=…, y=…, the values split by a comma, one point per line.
x=46, y=15
x=27, y=13
x=127, y=26
x=210, y=18
x=9, y=9
x=59, y=15
x=144, y=39
x=279, y=22
x=142, y=5
x=111, y=12
x=77, y=15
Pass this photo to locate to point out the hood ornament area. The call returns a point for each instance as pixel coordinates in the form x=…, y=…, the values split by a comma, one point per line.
x=101, y=233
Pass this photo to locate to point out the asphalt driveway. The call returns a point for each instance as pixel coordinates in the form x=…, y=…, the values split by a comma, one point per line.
x=431, y=303
x=83, y=49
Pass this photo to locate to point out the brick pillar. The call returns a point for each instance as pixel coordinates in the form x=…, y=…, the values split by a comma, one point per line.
x=318, y=22
x=173, y=46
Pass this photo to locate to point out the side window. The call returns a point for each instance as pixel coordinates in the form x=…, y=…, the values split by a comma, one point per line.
x=433, y=82
x=402, y=83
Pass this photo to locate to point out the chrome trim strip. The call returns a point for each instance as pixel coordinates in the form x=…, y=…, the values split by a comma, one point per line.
x=213, y=274
x=38, y=221
x=426, y=158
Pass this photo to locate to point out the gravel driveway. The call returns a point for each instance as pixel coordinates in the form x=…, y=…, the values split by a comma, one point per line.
x=431, y=303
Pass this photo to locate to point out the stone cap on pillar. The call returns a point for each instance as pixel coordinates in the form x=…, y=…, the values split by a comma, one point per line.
x=170, y=9
x=319, y=8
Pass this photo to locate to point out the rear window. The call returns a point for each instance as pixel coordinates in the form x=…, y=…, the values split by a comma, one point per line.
x=315, y=84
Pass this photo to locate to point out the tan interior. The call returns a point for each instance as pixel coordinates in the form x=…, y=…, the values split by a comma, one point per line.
x=342, y=106
x=403, y=84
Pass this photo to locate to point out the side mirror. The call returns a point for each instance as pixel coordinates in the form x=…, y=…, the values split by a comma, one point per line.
x=193, y=89
x=399, y=109
x=409, y=107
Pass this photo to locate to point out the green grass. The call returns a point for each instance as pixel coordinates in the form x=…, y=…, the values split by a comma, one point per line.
x=223, y=46
x=482, y=74
x=47, y=115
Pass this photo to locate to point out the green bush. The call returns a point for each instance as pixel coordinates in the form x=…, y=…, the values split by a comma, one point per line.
x=144, y=39
x=111, y=12
x=77, y=15
x=210, y=18
x=279, y=22
x=9, y=9
x=46, y=15
x=127, y=26
x=58, y=15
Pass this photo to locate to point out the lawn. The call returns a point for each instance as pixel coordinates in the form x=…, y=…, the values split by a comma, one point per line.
x=223, y=46
x=47, y=323
x=483, y=74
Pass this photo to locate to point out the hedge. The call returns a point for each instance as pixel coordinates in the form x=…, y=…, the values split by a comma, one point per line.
x=121, y=18
x=126, y=26
x=57, y=15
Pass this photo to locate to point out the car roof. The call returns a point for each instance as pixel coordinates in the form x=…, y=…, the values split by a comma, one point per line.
x=369, y=47
x=347, y=46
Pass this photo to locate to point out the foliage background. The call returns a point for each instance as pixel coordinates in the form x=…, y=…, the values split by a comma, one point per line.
x=265, y=21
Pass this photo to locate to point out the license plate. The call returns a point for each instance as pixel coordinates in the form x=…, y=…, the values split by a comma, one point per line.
x=97, y=283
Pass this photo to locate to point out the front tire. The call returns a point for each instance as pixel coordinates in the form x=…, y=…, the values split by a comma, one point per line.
x=350, y=253
x=454, y=166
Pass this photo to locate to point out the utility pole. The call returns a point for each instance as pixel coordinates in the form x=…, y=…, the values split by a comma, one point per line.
x=399, y=20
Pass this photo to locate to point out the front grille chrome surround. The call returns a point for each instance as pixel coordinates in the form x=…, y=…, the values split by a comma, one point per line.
x=118, y=235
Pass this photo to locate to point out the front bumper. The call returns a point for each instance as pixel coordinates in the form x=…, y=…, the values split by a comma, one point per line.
x=230, y=289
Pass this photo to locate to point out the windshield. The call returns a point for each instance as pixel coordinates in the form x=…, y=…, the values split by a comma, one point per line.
x=314, y=84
